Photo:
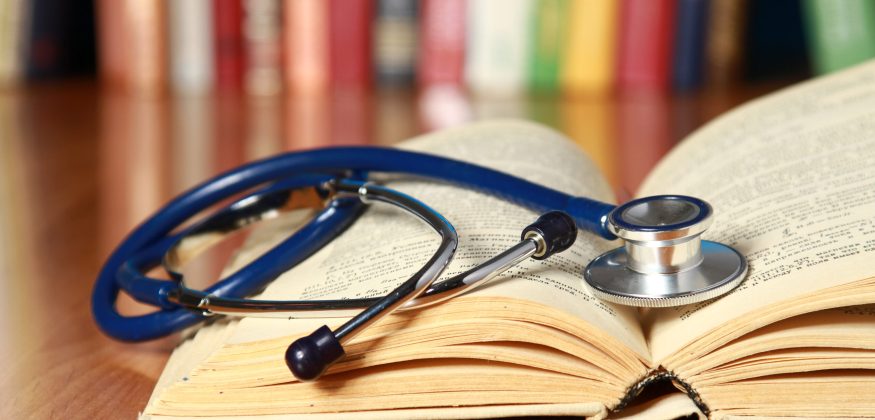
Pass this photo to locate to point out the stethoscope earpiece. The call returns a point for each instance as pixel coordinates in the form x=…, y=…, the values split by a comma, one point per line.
x=664, y=262
x=308, y=357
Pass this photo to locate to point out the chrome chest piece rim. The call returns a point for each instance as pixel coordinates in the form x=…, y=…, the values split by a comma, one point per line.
x=664, y=262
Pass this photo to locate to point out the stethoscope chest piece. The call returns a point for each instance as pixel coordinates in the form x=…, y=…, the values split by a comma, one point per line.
x=664, y=261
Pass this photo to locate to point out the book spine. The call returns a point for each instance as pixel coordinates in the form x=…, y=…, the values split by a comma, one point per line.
x=841, y=32
x=727, y=20
x=306, y=45
x=549, y=37
x=43, y=44
x=228, y=38
x=262, y=34
x=774, y=42
x=350, y=43
x=645, y=45
x=589, y=61
x=145, y=54
x=190, y=25
x=442, y=42
x=655, y=377
x=499, y=41
x=689, y=48
x=111, y=40
x=395, y=40
x=12, y=20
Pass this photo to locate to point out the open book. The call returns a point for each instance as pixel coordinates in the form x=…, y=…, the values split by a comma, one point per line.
x=791, y=178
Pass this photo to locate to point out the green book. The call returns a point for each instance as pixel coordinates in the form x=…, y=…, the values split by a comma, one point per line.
x=549, y=34
x=841, y=33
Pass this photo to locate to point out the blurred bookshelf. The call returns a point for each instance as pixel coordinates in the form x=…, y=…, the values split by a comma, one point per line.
x=234, y=80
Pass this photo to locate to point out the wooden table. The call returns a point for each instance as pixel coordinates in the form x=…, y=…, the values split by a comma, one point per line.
x=80, y=166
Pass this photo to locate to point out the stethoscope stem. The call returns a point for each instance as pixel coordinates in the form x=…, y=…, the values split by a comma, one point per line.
x=476, y=277
x=309, y=356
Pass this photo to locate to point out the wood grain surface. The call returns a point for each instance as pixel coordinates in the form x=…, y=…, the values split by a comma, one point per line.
x=81, y=166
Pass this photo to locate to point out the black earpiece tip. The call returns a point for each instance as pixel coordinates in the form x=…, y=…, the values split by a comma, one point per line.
x=557, y=229
x=309, y=356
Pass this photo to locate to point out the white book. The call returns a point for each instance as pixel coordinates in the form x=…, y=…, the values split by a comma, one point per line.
x=190, y=23
x=262, y=35
x=12, y=25
x=498, y=45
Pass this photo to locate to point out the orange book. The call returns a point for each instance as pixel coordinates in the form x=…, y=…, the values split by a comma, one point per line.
x=305, y=29
x=588, y=62
x=724, y=49
x=111, y=41
x=143, y=45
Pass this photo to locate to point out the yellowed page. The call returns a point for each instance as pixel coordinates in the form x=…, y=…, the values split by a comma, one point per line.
x=587, y=410
x=190, y=353
x=850, y=329
x=838, y=394
x=830, y=344
x=791, y=178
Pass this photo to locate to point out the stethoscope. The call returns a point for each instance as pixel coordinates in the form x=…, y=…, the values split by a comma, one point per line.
x=663, y=262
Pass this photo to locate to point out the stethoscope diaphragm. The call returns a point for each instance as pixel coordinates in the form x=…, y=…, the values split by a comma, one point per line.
x=664, y=262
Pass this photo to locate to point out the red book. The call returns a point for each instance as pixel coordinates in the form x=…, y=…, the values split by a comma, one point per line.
x=349, y=42
x=645, y=44
x=442, y=42
x=228, y=29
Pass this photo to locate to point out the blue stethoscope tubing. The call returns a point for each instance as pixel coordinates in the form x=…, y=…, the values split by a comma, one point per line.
x=147, y=243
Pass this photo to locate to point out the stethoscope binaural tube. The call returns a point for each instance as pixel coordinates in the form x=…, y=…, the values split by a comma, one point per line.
x=150, y=240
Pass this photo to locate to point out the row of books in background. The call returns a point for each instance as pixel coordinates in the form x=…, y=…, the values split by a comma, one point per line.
x=488, y=46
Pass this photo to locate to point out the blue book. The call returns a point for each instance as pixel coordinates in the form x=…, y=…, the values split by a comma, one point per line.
x=689, y=51
x=59, y=38
x=775, y=44
x=395, y=41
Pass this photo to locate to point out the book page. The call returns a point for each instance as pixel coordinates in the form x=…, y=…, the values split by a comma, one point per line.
x=385, y=246
x=791, y=178
x=842, y=329
x=824, y=394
